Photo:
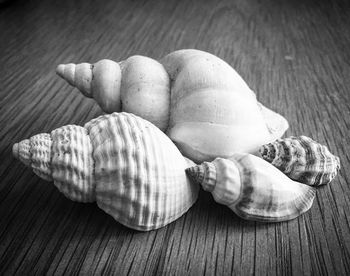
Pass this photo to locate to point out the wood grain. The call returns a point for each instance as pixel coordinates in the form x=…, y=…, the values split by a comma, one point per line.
x=293, y=54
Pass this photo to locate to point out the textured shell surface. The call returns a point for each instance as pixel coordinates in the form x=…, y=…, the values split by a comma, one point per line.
x=302, y=159
x=127, y=165
x=253, y=188
x=196, y=98
x=152, y=188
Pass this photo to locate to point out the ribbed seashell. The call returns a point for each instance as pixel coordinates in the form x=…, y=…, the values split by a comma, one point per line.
x=253, y=188
x=302, y=159
x=124, y=163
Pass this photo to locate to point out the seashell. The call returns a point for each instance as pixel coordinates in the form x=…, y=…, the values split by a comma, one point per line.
x=196, y=98
x=253, y=188
x=302, y=159
x=124, y=163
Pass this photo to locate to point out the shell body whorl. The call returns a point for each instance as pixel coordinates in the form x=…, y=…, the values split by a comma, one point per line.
x=254, y=189
x=302, y=159
x=139, y=172
x=196, y=98
x=124, y=163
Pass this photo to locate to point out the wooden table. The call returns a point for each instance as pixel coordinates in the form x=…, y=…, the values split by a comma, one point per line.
x=293, y=54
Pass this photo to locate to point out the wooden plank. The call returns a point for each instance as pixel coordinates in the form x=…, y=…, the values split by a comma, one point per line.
x=293, y=54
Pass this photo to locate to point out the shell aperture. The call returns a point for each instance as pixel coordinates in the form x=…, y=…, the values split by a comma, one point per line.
x=127, y=165
x=253, y=188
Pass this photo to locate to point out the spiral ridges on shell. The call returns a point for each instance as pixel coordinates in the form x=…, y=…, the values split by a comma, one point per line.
x=72, y=164
x=40, y=155
x=204, y=174
x=21, y=151
x=140, y=173
x=302, y=159
x=124, y=163
x=36, y=153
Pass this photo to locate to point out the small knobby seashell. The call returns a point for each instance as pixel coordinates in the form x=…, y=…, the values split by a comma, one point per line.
x=302, y=159
x=124, y=163
x=253, y=188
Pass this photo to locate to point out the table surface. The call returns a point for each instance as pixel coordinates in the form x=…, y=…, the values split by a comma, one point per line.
x=293, y=54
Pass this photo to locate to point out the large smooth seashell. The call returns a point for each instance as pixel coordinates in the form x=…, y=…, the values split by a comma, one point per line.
x=302, y=159
x=196, y=98
x=124, y=163
x=253, y=188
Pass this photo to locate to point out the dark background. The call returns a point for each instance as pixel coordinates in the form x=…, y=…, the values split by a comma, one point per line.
x=293, y=54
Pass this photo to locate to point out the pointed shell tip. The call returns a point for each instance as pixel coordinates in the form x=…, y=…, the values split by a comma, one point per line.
x=60, y=69
x=192, y=172
x=15, y=150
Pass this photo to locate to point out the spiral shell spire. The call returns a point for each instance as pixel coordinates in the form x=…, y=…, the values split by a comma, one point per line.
x=100, y=81
x=63, y=156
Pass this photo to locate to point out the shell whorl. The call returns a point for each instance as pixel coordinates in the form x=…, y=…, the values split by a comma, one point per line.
x=36, y=153
x=204, y=174
x=220, y=177
x=63, y=156
x=100, y=81
x=302, y=159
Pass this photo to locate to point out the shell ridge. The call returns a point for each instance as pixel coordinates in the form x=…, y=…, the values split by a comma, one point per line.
x=100, y=141
x=39, y=155
x=120, y=169
x=147, y=208
x=23, y=152
x=184, y=191
x=246, y=187
x=319, y=178
x=307, y=145
x=91, y=165
x=165, y=212
x=68, y=162
x=138, y=201
x=154, y=212
x=59, y=167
